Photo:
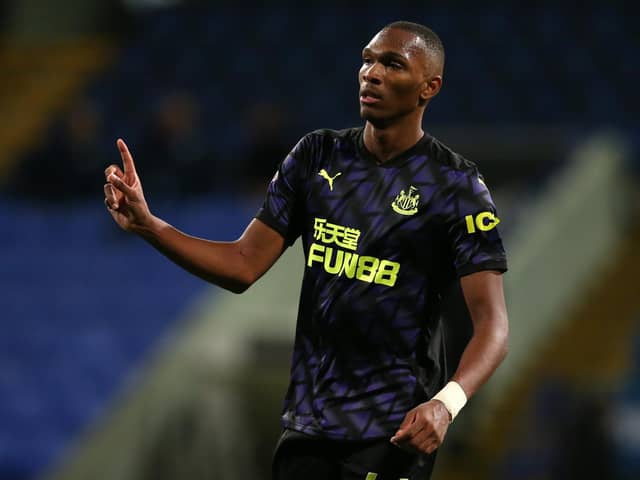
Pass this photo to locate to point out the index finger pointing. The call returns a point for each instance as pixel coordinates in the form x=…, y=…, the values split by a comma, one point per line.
x=127, y=159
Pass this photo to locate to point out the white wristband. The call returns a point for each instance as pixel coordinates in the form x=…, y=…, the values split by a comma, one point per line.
x=453, y=398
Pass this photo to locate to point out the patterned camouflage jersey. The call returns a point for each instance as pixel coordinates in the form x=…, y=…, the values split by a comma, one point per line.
x=381, y=242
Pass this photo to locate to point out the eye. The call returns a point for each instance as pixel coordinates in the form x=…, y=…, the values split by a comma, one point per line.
x=396, y=65
x=366, y=60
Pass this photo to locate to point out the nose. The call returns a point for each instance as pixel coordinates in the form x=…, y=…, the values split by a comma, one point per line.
x=373, y=73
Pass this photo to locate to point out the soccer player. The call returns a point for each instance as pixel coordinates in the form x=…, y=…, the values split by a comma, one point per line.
x=389, y=219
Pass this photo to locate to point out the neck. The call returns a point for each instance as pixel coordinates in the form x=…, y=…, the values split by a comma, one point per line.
x=389, y=141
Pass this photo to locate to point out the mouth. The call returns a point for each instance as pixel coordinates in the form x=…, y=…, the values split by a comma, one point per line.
x=369, y=97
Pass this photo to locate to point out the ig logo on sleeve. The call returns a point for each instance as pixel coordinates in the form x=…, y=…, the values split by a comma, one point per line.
x=484, y=221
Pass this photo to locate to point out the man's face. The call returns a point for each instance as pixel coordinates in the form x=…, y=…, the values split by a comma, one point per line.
x=394, y=77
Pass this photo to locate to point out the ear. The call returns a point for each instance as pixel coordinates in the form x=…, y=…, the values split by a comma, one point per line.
x=430, y=89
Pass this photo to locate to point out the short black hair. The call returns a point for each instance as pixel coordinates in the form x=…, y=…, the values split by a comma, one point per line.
x=430, y=38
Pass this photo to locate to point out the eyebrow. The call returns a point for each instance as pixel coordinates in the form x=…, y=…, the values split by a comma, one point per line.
x=386, y=54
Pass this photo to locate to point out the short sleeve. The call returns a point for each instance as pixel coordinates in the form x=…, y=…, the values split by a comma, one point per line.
x=472, y=226
x=282, y=206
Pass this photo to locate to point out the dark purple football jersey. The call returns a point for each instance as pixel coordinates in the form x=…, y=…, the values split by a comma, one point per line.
x=382, y=242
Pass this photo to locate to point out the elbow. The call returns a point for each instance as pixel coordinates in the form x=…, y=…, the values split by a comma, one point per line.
x=246, y=272
x=504, y=350
x=238, y=288
x=242, y=283
x=503, y=336
x=495, y=334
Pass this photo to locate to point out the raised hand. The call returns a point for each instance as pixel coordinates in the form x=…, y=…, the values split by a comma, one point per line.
x=423, y=428
x=123, y=193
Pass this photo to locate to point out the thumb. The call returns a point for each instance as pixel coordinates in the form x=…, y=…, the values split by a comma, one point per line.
x=409, y=418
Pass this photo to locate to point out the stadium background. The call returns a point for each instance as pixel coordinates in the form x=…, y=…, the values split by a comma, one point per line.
x=114, y=364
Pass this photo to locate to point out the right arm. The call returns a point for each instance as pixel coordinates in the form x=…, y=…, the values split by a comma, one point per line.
x=230, y=265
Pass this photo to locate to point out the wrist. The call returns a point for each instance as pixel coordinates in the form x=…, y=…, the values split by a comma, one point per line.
x=149, y=228
x=453, y=397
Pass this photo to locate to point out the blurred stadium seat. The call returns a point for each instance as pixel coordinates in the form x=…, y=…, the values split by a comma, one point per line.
x=82, y=307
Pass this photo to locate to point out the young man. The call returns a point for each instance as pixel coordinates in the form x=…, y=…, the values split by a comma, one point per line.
x=389, y=218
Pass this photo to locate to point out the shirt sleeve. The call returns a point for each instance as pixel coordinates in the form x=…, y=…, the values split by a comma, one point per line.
x=281, y=209
x=472, y=226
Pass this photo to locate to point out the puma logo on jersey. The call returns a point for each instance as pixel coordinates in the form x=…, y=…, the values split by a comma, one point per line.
x=323, y=173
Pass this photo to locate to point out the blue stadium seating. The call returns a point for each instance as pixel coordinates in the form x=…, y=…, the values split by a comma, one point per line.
x=505, y=64
x=82, y=304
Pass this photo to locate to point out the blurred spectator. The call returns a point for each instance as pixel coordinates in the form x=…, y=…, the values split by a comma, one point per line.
x=625, y=425
x=70, y=163
x=4, y=15
x=148, y=5
x=172, y=157
x=584, y=448
x=538, y=431
x=565, y=435
x=267, y=124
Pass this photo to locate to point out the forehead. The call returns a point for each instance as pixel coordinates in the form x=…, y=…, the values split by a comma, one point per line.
x=398, y=41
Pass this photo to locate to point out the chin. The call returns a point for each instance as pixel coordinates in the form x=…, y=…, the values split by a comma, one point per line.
x=378, y=120
x=370, y=114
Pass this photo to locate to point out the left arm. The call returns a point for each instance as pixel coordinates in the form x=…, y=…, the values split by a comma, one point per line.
x=424, y=427
x=487, y=348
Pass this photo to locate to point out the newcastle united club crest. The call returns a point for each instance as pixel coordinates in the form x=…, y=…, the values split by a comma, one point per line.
x=406, y=203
